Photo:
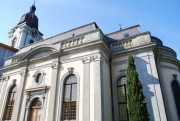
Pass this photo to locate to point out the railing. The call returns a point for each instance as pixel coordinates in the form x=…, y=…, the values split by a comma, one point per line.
x=72, y=42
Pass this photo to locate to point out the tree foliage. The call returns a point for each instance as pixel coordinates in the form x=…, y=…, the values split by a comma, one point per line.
x=136, y=103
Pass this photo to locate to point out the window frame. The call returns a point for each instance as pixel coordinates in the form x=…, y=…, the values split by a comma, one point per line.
x=177, y=104
x=70, y=101
x=11, y=89
x=32, y=107
x=124, y=102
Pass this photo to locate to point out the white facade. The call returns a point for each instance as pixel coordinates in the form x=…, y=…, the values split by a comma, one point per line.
x=98, y=61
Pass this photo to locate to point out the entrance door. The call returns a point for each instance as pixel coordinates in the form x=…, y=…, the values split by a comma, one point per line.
x=35, y=111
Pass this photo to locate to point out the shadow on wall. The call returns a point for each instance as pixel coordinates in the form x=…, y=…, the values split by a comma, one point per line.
x=146, y=75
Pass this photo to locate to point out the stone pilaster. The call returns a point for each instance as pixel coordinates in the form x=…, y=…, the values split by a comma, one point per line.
x=20, y=91
x=98, y=99
x=86, y=89
x=53, y=90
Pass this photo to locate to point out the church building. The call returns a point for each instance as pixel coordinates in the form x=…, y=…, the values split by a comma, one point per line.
x=80, y=74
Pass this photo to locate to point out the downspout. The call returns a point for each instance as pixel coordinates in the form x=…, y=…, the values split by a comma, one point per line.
x=112, y=101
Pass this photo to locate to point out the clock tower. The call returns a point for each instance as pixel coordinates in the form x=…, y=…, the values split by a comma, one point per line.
x=26, y=31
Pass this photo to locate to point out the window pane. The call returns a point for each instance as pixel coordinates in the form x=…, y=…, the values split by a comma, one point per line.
x=67, y=92
x=74, y=92
x=121, y=94
x=71, y=79
x=35, y=110
x=66, y=111
x=69, y=99
x=123, y=112
x=73, y=111
x=176, y=91
x=122, y=81
x=121, y=86
x=10, y=104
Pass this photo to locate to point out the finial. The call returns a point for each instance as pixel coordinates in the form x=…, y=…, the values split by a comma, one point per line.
x=34, y=2
x=33, y=8
x=120, y=26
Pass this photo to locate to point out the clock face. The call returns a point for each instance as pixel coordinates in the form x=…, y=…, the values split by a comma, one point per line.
x=34, y=33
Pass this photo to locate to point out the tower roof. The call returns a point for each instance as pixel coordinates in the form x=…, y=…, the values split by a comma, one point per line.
x=30, y=18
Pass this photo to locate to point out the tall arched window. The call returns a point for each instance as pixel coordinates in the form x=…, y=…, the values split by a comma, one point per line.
x=122, y=100
x=176, y=91
x=10, y=103
x=35, y=110
x=69, y=98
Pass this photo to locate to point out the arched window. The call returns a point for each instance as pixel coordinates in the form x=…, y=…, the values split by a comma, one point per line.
x=69, y=98
x=176, y=91
x=10, y=103
x=35, y=110
x=122, y=100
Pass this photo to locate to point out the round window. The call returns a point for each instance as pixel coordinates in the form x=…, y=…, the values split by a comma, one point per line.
x=39, y=77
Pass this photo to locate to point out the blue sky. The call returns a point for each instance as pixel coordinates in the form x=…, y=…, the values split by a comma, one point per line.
x=160, y=17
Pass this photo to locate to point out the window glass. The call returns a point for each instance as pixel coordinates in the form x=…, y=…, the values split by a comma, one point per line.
x=176, y=91
x=122, y=101
x=10, y=103
x=69, y=98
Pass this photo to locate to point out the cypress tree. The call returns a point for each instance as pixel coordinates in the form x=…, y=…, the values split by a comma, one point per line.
x=136, y=103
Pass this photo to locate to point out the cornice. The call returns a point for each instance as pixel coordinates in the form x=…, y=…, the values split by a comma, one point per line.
x=170, y=60
x=37, y=88
x=8, y=47
x=134, y=49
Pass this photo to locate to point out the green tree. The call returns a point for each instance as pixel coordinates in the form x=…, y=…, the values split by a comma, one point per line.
x=136, y=103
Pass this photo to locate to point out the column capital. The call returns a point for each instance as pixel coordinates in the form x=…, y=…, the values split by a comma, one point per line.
x=4, y=78
x=22, y=72
x=97, y=57
x=86, y=60
x=54, y=65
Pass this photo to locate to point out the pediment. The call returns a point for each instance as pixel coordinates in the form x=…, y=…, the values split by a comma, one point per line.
x=39, y=52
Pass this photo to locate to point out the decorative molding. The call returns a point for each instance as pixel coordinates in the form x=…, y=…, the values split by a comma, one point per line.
x=122, y=73
x=14, y=81
x=37, y=88
x=22, y=72
x=70, y=70
x=4, y=78
x=54, y=65
x=72, y=42
x=93, y=58
x=16, y=59
x=39, y=80
x=86, y=60
x=166, y=51
x=169, y=67
x=121, y=45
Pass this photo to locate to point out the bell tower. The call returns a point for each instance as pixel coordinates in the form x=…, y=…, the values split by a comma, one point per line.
x=26, y=31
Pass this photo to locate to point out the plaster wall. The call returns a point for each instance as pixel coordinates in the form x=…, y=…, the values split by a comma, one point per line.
x=146, y=68
x=106, y=91
x=167, y=70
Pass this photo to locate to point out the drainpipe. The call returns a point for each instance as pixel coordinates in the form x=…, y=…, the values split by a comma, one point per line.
x=112, y=101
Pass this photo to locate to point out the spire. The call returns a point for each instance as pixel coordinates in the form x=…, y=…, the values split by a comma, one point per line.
x=33, y=8
x=30, y=17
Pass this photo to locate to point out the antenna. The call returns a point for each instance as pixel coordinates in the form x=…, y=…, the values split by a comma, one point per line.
x=120, y=26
